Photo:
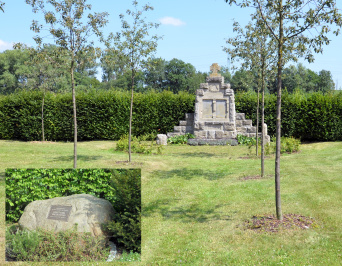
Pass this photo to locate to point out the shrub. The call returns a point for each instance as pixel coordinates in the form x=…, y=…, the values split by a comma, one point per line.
x=138, y=146
x=288, y=145
x=181, y=139
x=244, y=140
x=126, y=225
x=70, y=245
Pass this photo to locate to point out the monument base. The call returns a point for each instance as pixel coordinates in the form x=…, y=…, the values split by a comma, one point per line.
x=213, y=142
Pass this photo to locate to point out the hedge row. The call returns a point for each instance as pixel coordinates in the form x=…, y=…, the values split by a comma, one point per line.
x=306, y=116
x=100, y=115
x=105, y=115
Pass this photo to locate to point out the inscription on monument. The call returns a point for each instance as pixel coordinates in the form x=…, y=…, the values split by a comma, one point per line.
x=207, y=108
x=221, y=108
x=59, y=212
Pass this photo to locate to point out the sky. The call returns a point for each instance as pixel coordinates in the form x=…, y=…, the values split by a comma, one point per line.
x=192, y=30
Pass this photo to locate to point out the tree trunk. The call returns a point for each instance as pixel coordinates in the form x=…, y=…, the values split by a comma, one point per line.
x=278, y=124
x=130, y=119
x=74, y=108
x=43, y=101
x=263, y=118
x=257, y=124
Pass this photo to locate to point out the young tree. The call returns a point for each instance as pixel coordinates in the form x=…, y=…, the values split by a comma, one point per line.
x=287, y=21
x=2, y=6
x=71, y=33
x=133, y=45
x=255, y=47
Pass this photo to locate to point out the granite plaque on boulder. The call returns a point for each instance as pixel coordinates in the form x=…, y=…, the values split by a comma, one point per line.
x=62, y=213
x=59, y=212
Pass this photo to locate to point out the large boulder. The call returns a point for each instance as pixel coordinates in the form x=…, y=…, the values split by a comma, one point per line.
x=62, y=213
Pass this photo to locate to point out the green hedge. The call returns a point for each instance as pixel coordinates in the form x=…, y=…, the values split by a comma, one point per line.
x=100, y=115
x=306, y=116
x=105, y=114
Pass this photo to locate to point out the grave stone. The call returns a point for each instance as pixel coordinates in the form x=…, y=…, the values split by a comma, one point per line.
x=62, y=213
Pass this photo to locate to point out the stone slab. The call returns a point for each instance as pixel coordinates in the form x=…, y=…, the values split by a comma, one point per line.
x=161, y=139
x=62, y=213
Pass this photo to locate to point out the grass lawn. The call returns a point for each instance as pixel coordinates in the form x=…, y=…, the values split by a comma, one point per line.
x=195, y=200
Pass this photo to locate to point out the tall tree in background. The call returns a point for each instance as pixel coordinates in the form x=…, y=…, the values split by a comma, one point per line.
x=133, y=45
x=287, y=21
x=71, y=33
x=13, y=70
x=155, y=74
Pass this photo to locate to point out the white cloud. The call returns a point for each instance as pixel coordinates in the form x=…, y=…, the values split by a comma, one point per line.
x=171, y=21
x=5, y=45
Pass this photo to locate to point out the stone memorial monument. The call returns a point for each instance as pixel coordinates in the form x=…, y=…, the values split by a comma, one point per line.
x=215, y=117
x=62, y=213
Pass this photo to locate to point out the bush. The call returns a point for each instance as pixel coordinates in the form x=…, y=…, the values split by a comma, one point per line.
x=244, y=140
x=288, y=145
x=126, y=225
x=181, y=139
x=70, y=245
x=137, y=145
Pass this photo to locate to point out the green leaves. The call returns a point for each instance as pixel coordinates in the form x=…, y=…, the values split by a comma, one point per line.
x=26, y=185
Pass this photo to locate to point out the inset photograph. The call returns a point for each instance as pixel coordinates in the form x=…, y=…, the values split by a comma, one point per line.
x=56, y=215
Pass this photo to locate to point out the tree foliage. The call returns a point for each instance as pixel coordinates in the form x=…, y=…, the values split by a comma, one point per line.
x=174, y=75
x=13, y=70
x=301, y=78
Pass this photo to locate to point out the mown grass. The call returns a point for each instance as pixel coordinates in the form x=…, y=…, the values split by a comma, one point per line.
x=195, y=200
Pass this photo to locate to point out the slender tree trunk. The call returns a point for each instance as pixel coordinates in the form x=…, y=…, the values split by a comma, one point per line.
x=257, y=124
x=43, y=101
x=263, y=117
x=278, y=124
x=74, y=108
x=130, y=118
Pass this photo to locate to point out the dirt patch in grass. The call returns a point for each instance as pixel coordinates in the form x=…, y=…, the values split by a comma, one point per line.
x=270, y=223
x=127, y=162
x=253, y=157
x=251, y=177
